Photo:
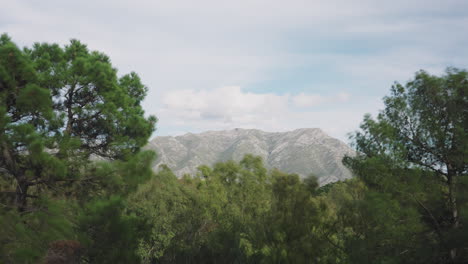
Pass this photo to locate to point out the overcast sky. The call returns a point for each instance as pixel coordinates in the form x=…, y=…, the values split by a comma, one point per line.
x=271, y=65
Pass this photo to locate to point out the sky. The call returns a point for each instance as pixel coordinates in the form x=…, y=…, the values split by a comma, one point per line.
x=270, y=65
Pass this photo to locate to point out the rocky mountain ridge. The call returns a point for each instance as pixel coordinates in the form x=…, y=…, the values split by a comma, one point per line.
x=302, y=151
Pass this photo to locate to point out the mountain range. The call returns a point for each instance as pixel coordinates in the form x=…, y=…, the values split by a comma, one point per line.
x=303, y=151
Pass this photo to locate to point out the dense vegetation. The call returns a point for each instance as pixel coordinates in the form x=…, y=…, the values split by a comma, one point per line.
x=75, y=187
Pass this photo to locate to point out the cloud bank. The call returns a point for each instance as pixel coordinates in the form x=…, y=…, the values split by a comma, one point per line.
x=231, y=107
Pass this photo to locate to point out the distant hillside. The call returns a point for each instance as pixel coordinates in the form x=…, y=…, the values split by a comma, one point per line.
x=302, y=151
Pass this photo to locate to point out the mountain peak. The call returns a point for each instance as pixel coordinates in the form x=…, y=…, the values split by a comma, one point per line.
x=303, y=151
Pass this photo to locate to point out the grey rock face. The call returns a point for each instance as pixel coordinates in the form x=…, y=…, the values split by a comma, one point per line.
x=302, y=151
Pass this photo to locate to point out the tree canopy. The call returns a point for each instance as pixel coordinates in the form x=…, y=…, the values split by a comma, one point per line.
x=61, y=105
x=62, y=110
x=416, y=152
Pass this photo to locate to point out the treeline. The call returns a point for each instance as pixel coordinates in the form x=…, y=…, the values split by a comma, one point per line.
x=75, y=186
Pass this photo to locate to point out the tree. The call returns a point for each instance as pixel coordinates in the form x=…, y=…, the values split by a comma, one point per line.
x=112, y=235
x=290, y=232
x=70, y=135
x=94, y=105
x=423, y=130
x=174, y=220
x=60, y=106
x=374, y=225
x=236, y=196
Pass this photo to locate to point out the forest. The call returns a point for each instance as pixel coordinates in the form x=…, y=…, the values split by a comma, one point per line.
x=77, y=186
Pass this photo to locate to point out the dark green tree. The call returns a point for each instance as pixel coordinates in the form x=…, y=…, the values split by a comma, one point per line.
x=112, y=236
x=70, y=135
x=61, y=106
x=422, y=134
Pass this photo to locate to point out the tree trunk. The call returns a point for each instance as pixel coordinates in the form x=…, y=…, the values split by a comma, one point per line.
x=21, y=194
x=455, y=223
x=69, y=105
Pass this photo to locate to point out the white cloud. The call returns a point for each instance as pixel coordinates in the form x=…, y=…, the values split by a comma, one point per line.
x=304, y=100
x=230, y=107
x=343, y=97
x=312, y=100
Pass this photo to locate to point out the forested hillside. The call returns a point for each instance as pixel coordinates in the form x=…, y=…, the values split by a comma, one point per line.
x=75, y=186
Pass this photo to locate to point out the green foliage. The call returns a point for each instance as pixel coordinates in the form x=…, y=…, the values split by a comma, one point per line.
x=61, y=106
x=93, y=104
x=61, y=110
x=413, y=160
x=293, y=217
x=163, y=204
x=231, y=213
x=111, y=235
x=25, y=236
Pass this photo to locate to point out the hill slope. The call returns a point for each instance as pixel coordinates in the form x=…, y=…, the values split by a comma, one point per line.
x=302, y=151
